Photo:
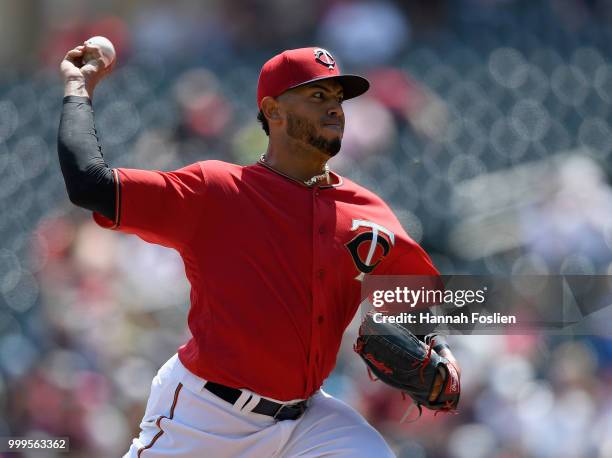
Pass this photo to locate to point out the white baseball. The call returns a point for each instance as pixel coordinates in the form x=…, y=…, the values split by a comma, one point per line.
x=106, y=49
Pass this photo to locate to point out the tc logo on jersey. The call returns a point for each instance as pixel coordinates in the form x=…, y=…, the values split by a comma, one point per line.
x=378, y=236
x=324, y=57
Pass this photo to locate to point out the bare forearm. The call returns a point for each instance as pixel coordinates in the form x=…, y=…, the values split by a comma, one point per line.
x=77, y=87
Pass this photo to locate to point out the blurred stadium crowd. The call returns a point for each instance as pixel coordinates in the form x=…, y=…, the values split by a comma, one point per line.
x=487, y=129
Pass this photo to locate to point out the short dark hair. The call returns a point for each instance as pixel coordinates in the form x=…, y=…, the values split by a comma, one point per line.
x=264, y=122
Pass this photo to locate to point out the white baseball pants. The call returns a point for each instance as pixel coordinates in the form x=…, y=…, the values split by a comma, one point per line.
x=183, y=419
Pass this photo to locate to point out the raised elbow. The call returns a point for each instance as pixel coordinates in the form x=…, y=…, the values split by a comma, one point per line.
x=79, y=195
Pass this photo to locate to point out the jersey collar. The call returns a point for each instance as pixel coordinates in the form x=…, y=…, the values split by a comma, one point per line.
x=334, y=175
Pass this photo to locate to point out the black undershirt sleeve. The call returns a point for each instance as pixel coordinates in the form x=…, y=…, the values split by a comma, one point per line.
x=89, y=180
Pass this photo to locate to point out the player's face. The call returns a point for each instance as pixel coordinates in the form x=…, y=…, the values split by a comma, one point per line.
x=314, y=115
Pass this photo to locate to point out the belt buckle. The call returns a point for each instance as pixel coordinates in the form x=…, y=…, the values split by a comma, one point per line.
x=300, y=406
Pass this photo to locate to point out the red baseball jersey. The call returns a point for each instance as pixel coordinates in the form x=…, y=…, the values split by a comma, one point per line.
x=275, y=267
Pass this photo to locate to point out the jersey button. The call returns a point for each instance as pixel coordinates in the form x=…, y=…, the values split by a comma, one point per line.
x=322, y=230
x=320, y=319
x=317, y=193
x=321, y=273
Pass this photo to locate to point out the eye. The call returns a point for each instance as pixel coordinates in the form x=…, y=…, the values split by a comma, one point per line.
x=340, y=100
x=318, y=95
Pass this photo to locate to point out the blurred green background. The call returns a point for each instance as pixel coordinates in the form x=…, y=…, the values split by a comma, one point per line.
x=487, y=129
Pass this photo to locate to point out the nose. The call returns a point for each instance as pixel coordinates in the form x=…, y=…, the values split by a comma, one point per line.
x=335, y=110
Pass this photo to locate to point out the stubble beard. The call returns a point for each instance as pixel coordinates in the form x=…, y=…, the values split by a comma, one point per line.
x=303, y=130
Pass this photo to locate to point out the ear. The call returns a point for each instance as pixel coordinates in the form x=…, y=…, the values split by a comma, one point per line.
x=270, y=109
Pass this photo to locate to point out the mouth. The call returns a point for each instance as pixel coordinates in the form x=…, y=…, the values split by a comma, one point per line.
x=334, y=126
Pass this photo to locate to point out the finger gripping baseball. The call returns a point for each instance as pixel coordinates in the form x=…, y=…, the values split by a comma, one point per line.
x=398, y=358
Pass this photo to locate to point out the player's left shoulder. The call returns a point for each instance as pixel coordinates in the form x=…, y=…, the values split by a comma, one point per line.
x=352, y=191
x=371, y=204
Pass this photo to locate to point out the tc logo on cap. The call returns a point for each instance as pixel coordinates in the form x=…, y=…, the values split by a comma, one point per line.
x=324, y=57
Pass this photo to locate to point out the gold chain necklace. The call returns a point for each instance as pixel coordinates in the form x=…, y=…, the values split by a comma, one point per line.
x=312, y=181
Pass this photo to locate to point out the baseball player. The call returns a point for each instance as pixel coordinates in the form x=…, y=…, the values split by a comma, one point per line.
x=275, y=253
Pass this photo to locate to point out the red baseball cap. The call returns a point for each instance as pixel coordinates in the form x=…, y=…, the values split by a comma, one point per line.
x=297, y=67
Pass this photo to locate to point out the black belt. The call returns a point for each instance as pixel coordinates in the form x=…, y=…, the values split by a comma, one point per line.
x=264, y=406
